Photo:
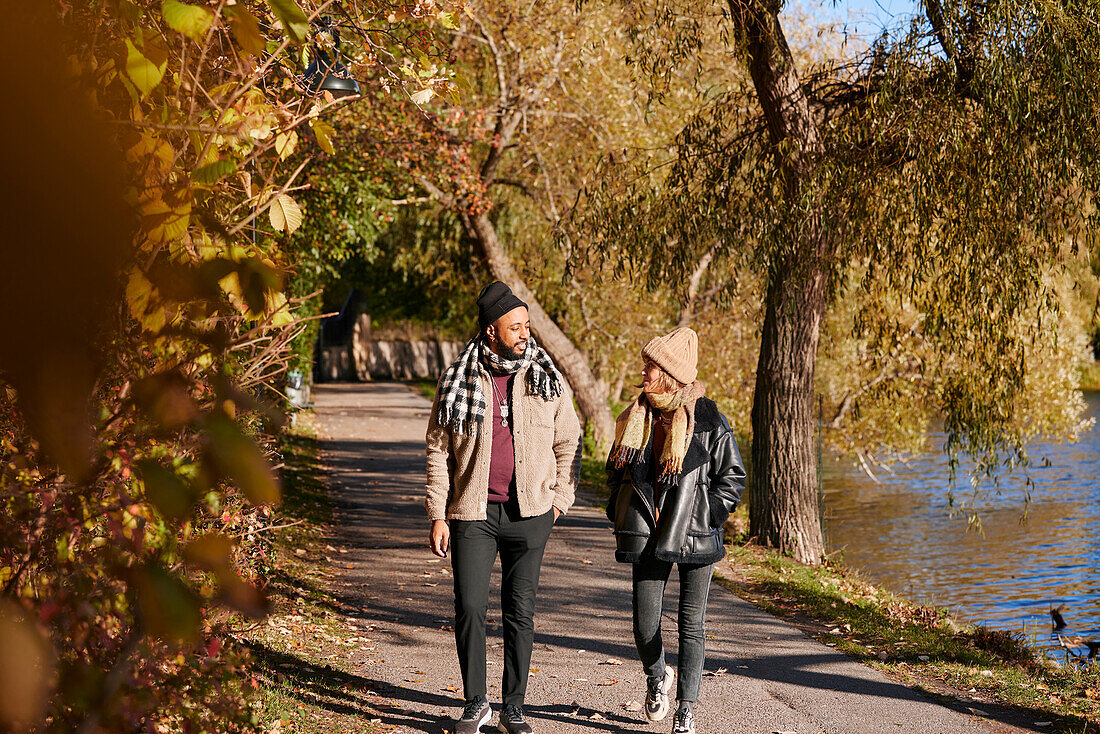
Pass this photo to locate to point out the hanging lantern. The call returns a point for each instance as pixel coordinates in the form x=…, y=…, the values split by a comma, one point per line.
x=325, y=73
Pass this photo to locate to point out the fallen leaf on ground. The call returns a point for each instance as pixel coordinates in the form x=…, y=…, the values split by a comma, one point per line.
x=632, y=706
x=607, y=682
x=611, y=661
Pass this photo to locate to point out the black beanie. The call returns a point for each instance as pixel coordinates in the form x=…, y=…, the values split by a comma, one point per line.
x=495, y=300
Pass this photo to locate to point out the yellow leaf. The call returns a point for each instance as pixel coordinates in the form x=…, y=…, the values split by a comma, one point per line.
x=285, y=214
x=293, y=20
x=139, y=294
x=422, y=96
x=246, y=29
x=190, y=20
x=324, y=133
x=166, y=217
x=145, y=74
x=231, y=286
x=285, y=143
x=278, y=310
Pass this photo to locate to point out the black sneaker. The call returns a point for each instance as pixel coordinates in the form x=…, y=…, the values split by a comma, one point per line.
x=474, y=716
x=683, y=722
x=656, y=696
x=512, y=721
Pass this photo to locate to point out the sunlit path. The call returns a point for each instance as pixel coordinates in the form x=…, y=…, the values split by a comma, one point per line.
x=762, y=674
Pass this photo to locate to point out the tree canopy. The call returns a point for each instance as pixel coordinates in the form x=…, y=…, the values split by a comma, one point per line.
x=155, y=197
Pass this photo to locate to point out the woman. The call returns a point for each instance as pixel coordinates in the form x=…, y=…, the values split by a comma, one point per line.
x=675, y=475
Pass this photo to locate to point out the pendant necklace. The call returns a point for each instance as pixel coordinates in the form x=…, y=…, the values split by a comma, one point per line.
x=503, y=403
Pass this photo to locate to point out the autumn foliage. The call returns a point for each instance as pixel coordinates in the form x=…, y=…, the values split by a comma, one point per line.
x=153, y=164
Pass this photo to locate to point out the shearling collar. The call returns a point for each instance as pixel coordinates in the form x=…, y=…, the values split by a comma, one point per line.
x=707, y=417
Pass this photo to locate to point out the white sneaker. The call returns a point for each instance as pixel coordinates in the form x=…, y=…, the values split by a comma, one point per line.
x=683, y=722
x=656, y=697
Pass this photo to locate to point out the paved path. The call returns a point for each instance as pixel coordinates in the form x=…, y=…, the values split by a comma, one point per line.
x=764, y=676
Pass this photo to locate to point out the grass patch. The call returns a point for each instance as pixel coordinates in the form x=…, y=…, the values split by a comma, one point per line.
x=920, y=646
x=593, y=480
x=299, y=652
x=425, y=388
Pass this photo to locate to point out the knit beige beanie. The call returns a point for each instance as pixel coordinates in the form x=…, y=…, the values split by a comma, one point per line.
x=677, y=353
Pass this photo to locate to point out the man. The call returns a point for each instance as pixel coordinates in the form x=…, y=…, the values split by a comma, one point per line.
x=503, y=454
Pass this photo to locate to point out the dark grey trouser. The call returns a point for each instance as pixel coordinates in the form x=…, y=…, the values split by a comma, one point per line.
x=520, y=542
x=650, y=578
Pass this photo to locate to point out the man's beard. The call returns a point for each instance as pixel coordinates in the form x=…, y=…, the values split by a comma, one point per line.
x=517, y=351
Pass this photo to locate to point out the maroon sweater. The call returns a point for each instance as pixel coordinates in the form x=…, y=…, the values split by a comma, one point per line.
x=502, y=462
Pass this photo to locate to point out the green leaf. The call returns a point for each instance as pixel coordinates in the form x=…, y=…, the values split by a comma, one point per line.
x=211, y=172
x=324, y=133
x=190, y=20
x=448, y=20
x=232, y=454
x=246, y=29
x=170, y=493
x=293, y=19
x=145, y=74
x=285, y=214
x=169, y=608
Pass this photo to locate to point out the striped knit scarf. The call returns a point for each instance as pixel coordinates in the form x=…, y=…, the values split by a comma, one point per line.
x=634, y=425
x=462, y=404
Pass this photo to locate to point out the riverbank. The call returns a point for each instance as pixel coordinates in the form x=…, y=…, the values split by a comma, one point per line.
x=963, y=666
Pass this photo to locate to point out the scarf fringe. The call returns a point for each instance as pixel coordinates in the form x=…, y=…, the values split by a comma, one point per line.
x=623, y=455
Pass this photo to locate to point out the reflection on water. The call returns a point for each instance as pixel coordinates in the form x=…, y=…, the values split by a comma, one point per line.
x=900, y=535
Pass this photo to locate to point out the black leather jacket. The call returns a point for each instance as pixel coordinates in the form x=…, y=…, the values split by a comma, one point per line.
x=692, y=511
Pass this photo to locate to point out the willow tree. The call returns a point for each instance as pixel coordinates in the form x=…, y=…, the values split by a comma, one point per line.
x=952, y=165
x=543, y=93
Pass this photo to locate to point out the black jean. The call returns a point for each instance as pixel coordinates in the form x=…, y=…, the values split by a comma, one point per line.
x=475, y=544
x=650, y=578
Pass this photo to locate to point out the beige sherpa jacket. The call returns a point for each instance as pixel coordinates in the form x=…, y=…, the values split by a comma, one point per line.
x=546, y=435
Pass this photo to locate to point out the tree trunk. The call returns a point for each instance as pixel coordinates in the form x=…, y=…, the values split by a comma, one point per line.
x=783, y=510
x=590, y=393
x=783, y=501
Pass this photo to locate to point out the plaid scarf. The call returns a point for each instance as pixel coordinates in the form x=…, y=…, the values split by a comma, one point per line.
x=633, y=427
x=462, y=404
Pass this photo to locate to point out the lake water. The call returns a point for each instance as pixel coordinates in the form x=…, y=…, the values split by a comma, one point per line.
x=900, y=535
